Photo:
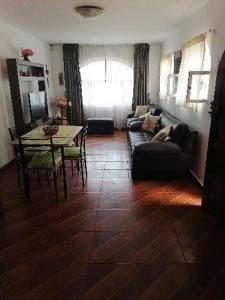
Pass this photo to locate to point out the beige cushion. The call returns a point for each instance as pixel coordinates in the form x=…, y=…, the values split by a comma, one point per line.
x=140, y=110
x=150, y=124
x=161, y=135
x=145, y=115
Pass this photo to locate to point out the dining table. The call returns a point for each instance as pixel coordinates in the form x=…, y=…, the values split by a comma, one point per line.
x=63, y=138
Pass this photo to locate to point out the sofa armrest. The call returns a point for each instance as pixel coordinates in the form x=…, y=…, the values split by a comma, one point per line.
x=130, y=115
x=135, y=125
x=157, y=148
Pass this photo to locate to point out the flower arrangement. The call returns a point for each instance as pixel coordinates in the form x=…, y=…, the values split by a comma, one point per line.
x=62, y=102
x=26, y=53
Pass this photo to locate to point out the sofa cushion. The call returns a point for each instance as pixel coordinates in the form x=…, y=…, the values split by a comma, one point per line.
x=161, y=135
x=158, y=148
x=135, y=125
x=178, y=130
x=140, y=110
x=150, y=124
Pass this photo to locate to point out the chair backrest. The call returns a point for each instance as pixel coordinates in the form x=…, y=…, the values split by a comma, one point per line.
x=38, y=145
x=83, y=139
x=12, y=133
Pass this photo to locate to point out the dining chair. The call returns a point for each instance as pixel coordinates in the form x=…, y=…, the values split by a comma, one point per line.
x=49, y=161
x=13, y=136
x=77, y=153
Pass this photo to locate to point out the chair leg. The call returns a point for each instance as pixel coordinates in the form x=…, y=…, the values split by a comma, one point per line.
x=26, y=185
x=18, y=174
x=71, y=166
x=38, y=176
x=82, y=171
x=85, y=164
x=47, y=177
x=55, y=185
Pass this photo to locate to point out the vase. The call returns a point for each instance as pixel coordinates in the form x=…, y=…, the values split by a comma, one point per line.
x=26, y=58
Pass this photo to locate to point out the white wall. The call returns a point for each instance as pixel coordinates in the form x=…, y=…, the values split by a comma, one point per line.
x=12, y=40
x=210, y=17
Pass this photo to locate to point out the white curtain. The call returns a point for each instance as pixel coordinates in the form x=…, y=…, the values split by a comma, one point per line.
x=195, y=57
x=107, y=81
x=166, y=68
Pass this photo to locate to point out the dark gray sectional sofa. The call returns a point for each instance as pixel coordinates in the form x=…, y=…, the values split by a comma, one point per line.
x=167, y=159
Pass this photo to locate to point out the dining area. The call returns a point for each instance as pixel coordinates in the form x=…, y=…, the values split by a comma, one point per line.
x=46, y=153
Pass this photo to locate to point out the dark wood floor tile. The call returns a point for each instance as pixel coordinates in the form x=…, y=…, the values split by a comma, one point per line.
x=113, y=220
x=114, y=201
x=112, y=247
x=96, y=157
x=48, y=281
x=115, y=185
x=110, y=281
x=45, y=245
x=164, y=282
x=116, y=174
x=80, y=200
x=199, y=247
x=209, y=279
x=95, y=165
x=151, y=218
x=158, y=247
x=77, y=220
x=115, y=156
x=90, y=186
x=117, y=165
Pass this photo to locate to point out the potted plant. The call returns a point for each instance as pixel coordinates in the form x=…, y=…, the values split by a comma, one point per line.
x=63, y=104
x=26, y=53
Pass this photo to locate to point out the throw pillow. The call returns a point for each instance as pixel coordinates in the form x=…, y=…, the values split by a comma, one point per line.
x=140, y=110
x=161, y=135
x=150, y=124
x=144, y=115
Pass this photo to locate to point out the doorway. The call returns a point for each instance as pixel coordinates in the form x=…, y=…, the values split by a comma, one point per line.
x=214, y=183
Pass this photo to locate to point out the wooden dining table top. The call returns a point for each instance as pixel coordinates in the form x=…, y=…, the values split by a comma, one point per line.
x=63, y=137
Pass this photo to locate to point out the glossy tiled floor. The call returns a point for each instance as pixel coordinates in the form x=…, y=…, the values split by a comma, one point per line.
x=112, y=239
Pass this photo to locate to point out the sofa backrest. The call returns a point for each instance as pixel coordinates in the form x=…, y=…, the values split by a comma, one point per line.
x=181, y=133
x=154, y=109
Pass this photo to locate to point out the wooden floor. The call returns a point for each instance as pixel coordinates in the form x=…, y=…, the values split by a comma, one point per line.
x=112, y=239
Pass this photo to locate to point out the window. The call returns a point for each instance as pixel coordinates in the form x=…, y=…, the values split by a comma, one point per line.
x=166, y=68
x=198, y=86
x=107, y=87
x=195, y=68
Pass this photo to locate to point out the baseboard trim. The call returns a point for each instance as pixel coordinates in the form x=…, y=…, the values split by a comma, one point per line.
x=199, y=181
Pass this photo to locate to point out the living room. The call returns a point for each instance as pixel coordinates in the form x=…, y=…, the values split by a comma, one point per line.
x=132, y=206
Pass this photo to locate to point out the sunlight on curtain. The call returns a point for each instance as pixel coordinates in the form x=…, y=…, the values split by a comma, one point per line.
x=107, y=82
x=166, y=68
x=195, y=57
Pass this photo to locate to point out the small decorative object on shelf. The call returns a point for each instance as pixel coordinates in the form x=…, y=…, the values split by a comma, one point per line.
x=50, y=129
x=26, y=53
x=63, y=103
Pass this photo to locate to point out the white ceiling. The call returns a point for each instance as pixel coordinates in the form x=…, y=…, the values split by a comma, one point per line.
x=124, y=21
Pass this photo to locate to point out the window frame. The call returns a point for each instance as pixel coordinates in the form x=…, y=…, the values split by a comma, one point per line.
x=189, y=87
x=173, y=95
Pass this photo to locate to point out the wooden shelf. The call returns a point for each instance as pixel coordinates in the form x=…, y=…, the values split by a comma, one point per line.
x=31, y=78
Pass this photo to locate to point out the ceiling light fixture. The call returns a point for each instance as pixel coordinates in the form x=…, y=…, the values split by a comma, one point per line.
x=91, y=12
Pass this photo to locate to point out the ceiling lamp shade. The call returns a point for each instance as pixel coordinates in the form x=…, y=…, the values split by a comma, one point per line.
x=89, y=11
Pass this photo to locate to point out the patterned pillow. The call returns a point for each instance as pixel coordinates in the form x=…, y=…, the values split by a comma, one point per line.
x=150, y=124
x=140, y=110
x=161, y=135
x=144, y=115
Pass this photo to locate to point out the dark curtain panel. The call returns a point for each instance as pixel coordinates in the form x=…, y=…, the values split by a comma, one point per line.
x=73, y=82
x=141, y=71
